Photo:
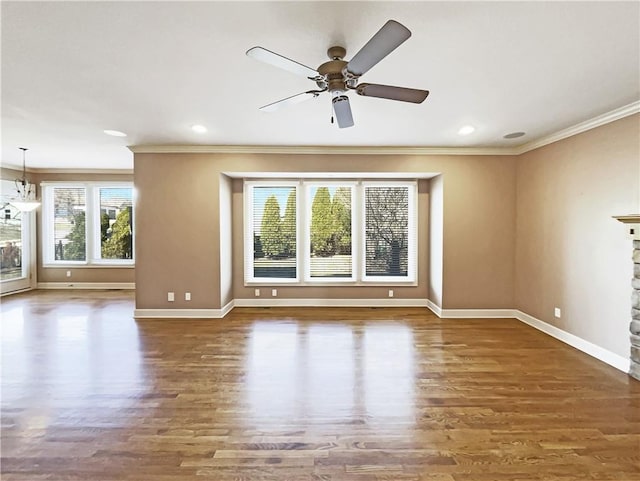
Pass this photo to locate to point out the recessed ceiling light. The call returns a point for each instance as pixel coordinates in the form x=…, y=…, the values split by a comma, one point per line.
x=466, y=130
x=201, y=129
x=115, y=133
x=513, y=135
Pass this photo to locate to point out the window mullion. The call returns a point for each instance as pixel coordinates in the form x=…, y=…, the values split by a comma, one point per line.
x=47, y=223
x=412, y=267
x=303, y=226
x=92, y=223
x=248, y=233
x=357, y=229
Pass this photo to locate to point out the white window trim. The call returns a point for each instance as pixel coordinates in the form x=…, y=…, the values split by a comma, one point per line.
x=305, y=228
x=412, y=252
x=92, y=225
x=358, y=238
x=248, y=232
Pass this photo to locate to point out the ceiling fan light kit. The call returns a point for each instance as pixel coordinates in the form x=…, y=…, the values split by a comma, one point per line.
x=342, y=109
x=338, y=76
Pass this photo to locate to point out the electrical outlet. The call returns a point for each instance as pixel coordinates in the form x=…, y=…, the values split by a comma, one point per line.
x=171, y=296
x=274, y=292
x=390, y=292
x=557, y=312
x=68, y=273
x=256, y=292
x=187, y=296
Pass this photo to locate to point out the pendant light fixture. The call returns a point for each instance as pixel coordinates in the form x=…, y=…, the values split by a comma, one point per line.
x=26, y=198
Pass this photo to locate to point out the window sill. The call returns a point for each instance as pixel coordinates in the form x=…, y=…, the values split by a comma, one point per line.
x=88, y=266
x=332, y=284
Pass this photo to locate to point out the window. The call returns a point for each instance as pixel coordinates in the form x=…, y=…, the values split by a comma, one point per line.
x=15, y=241
x=87, y=223
x=387, y=227
x=330, y=232
x=116, y=223
x=273, y=232
x=11, y=247
x=69, y=223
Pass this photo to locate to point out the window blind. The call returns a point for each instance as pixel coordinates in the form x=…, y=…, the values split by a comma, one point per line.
x=116, y=222
x=386, y=231
x=330, y=232
x=274, y=232
x=69, y=223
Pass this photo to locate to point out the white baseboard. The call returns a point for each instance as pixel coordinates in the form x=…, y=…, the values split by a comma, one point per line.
x=178, y=313
x=600, y=353
x=17, y=291
x=226, y=309
x=276, y=302
x=477, y=313
x=86, y=285
x=470, y=313
x=183, y=313
x=270, y=302
x=434, y=308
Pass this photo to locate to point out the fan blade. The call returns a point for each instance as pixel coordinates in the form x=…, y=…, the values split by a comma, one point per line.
x=386, y=40
x=294, y=99
x=342, y=108
x=392, y=93
x=277, y=60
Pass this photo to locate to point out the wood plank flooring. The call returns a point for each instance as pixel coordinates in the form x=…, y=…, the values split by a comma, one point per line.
x=304, y=394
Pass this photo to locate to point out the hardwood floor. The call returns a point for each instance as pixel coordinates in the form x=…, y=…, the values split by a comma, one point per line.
x=302, y=394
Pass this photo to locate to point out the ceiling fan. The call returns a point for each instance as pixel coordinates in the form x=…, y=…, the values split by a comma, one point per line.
x=338, y=76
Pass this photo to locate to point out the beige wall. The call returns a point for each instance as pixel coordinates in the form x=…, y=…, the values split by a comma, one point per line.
x=177, y=231
x=179, y=207
x=479, y=233
x=570, y=253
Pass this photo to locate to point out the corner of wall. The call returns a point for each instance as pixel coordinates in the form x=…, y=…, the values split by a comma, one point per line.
x=226, y=240
x=436, y=239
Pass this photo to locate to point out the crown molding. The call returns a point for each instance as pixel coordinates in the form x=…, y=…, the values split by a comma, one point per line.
x=82, y=171
x=317, y=149
x=628, y=219
x=33, y=170
x=606, y=118
x=16, y=167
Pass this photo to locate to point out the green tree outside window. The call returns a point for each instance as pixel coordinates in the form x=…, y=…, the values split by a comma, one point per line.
x=271, y=228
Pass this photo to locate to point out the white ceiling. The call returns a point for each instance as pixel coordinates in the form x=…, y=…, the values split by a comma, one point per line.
x=152, y=69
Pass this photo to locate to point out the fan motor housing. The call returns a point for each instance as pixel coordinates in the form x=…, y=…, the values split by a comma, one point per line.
x=332, y=73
